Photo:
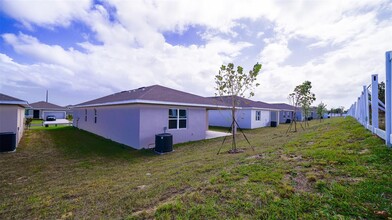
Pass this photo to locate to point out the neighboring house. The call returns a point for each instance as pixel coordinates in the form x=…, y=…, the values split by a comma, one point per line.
x=313, y=113
x=40, y=110
x=289, y=108
x=286, y=113
x=69, y=110
x=12, y=116
x=249, y=114
x=134, y=117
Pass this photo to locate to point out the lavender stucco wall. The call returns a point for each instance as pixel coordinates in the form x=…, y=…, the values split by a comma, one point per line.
x=154, y=118
x=118, y=123
x=222, y=118
x=246, y=118
x=137, y=125
x=284, y=115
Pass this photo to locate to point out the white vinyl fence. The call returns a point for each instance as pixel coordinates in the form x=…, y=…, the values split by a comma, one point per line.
x=369, y=103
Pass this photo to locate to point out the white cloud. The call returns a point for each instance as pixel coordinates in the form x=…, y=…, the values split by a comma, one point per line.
x=133, y=51
x=338, y=76
x=29, y=45
x=45, y=13
x=114, y=67
x=275, y=53
x=260, y=34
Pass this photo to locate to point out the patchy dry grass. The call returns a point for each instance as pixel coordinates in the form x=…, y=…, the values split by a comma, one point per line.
x=334, y=169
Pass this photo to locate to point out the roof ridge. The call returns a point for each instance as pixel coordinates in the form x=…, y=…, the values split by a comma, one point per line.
x=149, y=90
x=11, y=97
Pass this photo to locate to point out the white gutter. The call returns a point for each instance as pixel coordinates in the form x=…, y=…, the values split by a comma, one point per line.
x=140, y=101
x=257, y=108
x=22, y=103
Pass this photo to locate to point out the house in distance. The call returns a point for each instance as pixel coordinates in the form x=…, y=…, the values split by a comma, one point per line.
x=249, y=114
x=42, y=109
x=134, y=117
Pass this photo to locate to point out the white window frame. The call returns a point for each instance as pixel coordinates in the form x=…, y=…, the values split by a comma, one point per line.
x=85, y=115
x=95, y=116
x=177, y=119
x=258, y=115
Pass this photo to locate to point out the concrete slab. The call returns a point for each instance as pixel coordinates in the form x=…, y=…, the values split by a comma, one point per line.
x=57, y=122
x=216, y=134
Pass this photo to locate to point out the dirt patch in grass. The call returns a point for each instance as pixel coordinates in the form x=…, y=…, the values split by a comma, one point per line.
x=302, y=183
x=256, y=157
x=291, y=157
x=364, y=151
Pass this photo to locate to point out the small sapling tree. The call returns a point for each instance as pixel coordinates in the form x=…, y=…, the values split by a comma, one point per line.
x=294, y=101
x=306, y=98
x=341, y=110
x=321, y=109
x=302, y=97
x=28, y=123
x=236, y=83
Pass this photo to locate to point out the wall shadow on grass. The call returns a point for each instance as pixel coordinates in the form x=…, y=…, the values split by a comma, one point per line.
x=77, y=143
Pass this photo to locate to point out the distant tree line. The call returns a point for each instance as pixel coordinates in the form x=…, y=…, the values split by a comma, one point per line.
x=339, y=110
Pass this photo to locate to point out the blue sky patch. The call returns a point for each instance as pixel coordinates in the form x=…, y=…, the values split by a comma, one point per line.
x=190, y=36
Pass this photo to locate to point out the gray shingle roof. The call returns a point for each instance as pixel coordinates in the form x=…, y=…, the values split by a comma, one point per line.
x=9, y=100
x=283, y=106
x=46, y=105
x=244, y=103
x=155, y=94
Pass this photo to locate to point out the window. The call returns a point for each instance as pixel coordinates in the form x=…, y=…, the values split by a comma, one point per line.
x=177, y=118
x=85, y=115
x=258, y=115
x=95, y=116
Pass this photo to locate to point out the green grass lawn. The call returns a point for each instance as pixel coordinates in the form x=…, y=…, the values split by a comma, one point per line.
x=333, y=170
x=37, y=122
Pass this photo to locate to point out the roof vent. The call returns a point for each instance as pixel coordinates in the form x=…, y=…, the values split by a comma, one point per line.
x=141, y=88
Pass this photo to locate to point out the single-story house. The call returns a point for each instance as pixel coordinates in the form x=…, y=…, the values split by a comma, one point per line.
x=249, y=114
x=12, y=117
x=286, y=113
x=313, y=113
x=134, y=117
x=40, y=110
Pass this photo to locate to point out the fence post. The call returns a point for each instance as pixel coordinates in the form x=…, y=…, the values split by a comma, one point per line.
x=374, y=102
x=363, y=99
x=353, y=109
x=388, y=98
x=366, y=99
x=358, y=112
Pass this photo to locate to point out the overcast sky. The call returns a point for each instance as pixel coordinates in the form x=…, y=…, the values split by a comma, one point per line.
x=81, y=50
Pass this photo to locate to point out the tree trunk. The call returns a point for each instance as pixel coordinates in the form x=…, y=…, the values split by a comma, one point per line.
x=234, y=128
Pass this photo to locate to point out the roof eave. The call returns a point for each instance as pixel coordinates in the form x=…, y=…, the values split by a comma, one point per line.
x=152, y=102
x=53, y=109
x=20, y=103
